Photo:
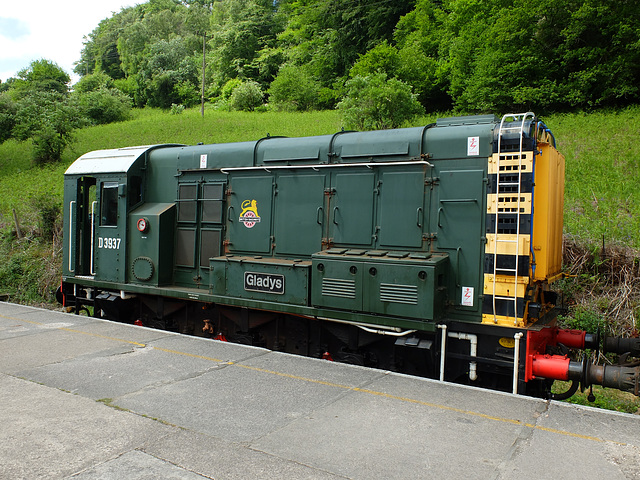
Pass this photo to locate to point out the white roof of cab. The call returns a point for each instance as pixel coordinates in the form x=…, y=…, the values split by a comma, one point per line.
x=116, y=160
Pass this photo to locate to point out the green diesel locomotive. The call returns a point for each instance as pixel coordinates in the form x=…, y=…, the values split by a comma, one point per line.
x=424, y=250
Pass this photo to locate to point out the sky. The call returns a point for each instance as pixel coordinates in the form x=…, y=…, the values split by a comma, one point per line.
x=54, y=30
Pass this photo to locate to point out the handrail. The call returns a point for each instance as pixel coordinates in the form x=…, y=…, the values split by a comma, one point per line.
x=93, y=231
x=71, y=204
x=325, y=165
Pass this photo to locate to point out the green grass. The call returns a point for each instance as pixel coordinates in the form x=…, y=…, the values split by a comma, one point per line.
x=21, y=183
x=602, y=188
x=606, y=398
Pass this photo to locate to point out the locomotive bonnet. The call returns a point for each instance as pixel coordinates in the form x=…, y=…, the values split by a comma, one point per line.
x=428, y=250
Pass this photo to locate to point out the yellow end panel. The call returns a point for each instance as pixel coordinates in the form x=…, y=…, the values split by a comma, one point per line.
x=507, y=245
x=508, y=203
x=502, y=321
x=548, y=207
x=509, y=162
x=504, y=285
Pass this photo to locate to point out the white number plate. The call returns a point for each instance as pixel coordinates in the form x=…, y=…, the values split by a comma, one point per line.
x=111, y=243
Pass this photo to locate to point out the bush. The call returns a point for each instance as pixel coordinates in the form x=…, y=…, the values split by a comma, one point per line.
x=177, y=109
x=246, y=96
x=93, y=82
x=50, y=120
x=374, y=103
x=294, y=89
x=48, y=209
x=104, y=105
x=227, y=89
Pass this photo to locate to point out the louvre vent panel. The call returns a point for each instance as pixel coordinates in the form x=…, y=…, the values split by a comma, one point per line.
x=399, y=293
x=336, y=287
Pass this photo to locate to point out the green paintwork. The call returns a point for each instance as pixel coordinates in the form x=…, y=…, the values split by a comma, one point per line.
x=299, y=201
x=351, y=210
x=387, y=283
x=290, y=279
x=407, y=204
x=150, y=247
x=249, y=214
x=402, y=209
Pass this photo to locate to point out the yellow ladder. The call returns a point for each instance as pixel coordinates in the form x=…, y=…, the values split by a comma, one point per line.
x=519, y=119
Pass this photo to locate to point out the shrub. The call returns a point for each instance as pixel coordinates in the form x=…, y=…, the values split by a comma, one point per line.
x=48, y=209
x=373, y=103
x=294, y=89
x=227, y=89
x=105, y=105
x=177, y=109
x=49, y=119
x=246, y=96
x=93, y=82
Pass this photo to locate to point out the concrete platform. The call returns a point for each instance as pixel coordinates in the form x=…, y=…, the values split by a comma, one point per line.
x=84, y=398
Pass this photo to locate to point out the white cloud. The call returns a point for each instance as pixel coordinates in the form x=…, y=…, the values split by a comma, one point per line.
x=53, y=30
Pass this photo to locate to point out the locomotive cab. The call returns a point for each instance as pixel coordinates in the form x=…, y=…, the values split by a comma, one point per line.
x=101, y=189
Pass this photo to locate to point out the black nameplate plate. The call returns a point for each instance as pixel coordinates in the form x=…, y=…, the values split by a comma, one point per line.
x=264, y=282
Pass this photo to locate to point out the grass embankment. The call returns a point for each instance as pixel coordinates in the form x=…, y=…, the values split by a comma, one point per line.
x=602, y=201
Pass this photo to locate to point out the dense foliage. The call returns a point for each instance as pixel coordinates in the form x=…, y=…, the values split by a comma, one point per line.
x=472, y=55
x=37, y=105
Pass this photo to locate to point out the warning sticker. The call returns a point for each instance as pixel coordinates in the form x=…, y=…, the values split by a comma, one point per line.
x=467, y=297
x=473, y=146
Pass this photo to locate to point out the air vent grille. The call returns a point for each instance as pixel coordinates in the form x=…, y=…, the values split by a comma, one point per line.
x=337, y=287
x=407, y=294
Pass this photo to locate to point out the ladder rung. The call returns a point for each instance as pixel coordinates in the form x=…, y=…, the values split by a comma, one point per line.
x=506, y=241
x=514, y=298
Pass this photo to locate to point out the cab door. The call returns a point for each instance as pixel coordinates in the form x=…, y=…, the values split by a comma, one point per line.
x=109, y=219
x=79, y=207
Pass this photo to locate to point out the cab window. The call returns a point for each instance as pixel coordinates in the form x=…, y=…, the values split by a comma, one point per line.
x=109, y=204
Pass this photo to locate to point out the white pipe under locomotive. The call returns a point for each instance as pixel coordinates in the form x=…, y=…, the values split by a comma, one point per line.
x=426, y=250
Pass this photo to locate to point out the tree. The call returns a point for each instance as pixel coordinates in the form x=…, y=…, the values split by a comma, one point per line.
x=514, y=54
x=168, y=75
x=93, y=82
x=374, y=103
x=42, y=76
x=7, y=116
x=49, y=119
x=242, y=30
x=328, y=35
